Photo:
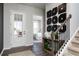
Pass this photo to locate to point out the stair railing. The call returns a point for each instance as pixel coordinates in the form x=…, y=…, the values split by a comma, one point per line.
x=53, y=33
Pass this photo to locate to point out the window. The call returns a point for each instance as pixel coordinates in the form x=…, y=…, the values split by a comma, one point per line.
x=18, y=24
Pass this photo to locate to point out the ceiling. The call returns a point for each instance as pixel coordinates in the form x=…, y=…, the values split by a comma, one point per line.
x=37, y=5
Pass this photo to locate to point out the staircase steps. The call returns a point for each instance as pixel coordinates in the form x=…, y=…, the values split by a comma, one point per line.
x=74, y=50
x=75, y=41
x=73, y=47
x=67, y=53
x=77, y=35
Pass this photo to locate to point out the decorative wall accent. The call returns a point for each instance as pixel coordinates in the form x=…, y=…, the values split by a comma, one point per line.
x=49, y=13
x=48, y=21
x=54, y=28
x=62, y=17
x=63, y=29
x=54, y=11
x=56, y=15
x=54, y=19
x=49, y=28
x=62, y=8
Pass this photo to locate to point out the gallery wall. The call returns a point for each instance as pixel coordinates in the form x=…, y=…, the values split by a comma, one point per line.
x=66, y=34
x=73, y=9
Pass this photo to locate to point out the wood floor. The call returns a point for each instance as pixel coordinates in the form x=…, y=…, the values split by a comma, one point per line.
x=37, y=49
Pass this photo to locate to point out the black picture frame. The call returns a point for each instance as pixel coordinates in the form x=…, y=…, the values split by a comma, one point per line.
x=63, y=29
x=62, y=17
x=54, y=19
x=54, y=28
x=49, y=27
x=48, y=21
x=62, y=8
x=54, y=11
x=49, y=13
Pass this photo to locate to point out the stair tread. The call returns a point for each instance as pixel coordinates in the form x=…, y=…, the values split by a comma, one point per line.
x=77, y=36
x=73, y=48
x=78, y=31
x=67, y=53
x=75, y=41
x=71, y=53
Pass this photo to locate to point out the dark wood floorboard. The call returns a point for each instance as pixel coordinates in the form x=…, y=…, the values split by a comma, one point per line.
x=37, y=49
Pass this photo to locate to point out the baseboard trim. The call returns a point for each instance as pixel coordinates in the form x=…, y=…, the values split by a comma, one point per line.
x=19, y=46
x=16, y=49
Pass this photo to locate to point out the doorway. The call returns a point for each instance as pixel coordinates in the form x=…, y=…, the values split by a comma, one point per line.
x=37, y=28
x=37, y=35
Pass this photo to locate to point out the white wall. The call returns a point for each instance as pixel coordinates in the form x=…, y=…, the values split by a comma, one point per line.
x=29, y=12
x=72, y=8
x=74, y=22
x=65, y=35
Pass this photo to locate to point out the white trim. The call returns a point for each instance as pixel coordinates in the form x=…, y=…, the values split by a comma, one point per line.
x=18, y=46
x=7, y=48
x=64, y=49
x=29, y=44
x=10, y=48
x=1, y=52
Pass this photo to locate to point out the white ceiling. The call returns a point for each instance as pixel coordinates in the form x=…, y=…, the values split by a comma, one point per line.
x=38, y=5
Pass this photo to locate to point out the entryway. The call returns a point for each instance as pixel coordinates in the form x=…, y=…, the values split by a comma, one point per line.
x=37, y=28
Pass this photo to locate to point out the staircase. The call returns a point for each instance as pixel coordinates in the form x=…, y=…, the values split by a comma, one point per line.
x=73, y=47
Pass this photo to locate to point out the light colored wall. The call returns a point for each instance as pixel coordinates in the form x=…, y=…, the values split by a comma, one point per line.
x=74, y=22
x=72, y=8
x=65, y=35
x=29, y=12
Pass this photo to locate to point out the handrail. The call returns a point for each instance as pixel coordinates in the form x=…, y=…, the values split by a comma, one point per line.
x=63, y=23
x=58, y=30
x=53, y=33
x=61, y=51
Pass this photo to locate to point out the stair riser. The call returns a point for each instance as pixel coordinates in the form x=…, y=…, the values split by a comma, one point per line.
x=73, y=47
x=75, y=53
x=67, y=53
x=78, y=31
x=77, y=39
x=75, y=44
